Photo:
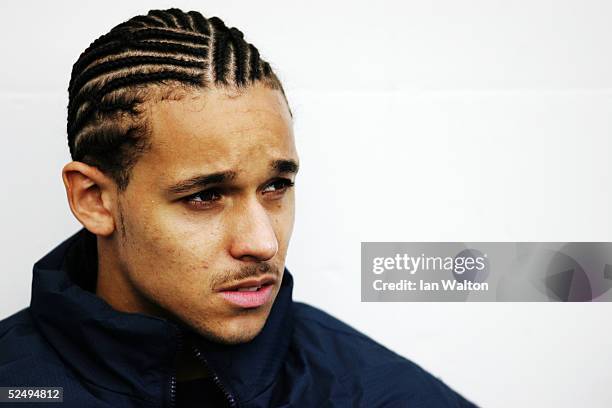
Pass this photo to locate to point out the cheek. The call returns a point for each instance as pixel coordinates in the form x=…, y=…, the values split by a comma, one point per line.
x=165, y=251
x=283, y=221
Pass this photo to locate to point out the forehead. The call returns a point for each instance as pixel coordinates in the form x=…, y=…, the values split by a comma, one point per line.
x=214, y=130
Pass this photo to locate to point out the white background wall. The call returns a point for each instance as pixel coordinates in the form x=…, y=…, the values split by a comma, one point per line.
x=415, y=121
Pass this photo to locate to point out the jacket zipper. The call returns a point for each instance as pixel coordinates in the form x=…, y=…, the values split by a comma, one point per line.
x=231, y=400
x=173, y=389
x=179, y=345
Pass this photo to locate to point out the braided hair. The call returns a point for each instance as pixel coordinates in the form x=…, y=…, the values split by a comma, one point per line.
x=148, y=56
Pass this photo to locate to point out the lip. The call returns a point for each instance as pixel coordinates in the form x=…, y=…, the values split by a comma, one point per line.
x=264, y=280
x=248, y=299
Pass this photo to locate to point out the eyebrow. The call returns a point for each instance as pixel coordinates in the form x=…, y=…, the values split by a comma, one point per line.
x=285, y=166
x=282, y=166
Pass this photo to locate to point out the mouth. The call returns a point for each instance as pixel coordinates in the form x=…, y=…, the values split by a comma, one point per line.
x=249, y=293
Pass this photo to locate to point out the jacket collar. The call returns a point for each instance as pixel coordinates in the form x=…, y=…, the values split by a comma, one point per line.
x=132, y=353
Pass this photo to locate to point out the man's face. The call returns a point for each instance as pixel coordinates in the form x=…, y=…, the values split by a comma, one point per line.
x=209, y=206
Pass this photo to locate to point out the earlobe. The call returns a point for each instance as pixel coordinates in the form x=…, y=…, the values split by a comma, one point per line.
x=90, y=196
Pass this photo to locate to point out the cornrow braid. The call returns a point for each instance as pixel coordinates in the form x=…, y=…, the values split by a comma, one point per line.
x=199, y=23
x=220, y=48
x=181, y=19
x=240, y=54
x=128, y=62
x=150, y=56
x=140, y=39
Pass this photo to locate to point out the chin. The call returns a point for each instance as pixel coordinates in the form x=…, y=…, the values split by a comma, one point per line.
x=241, y=329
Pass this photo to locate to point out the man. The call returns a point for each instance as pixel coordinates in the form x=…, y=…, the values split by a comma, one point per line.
x=175, y=292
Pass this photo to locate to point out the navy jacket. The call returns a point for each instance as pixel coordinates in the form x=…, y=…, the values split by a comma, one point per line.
x=303, y=357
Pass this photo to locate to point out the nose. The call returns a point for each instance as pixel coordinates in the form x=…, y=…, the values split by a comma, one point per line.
x=254, y=238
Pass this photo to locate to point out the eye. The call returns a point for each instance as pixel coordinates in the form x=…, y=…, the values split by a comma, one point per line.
x=203, y=199
x=278, y=186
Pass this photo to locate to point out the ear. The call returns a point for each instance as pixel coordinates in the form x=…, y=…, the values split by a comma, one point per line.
x=91, y=196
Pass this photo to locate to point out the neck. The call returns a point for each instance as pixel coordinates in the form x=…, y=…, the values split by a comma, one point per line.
x=114, y=286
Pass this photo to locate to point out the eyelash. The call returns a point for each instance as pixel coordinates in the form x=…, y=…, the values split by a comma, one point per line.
x=286, y=184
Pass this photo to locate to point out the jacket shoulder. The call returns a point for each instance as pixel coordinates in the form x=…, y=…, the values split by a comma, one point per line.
x=367, y=369
x=26, y=359
x=17, y=333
